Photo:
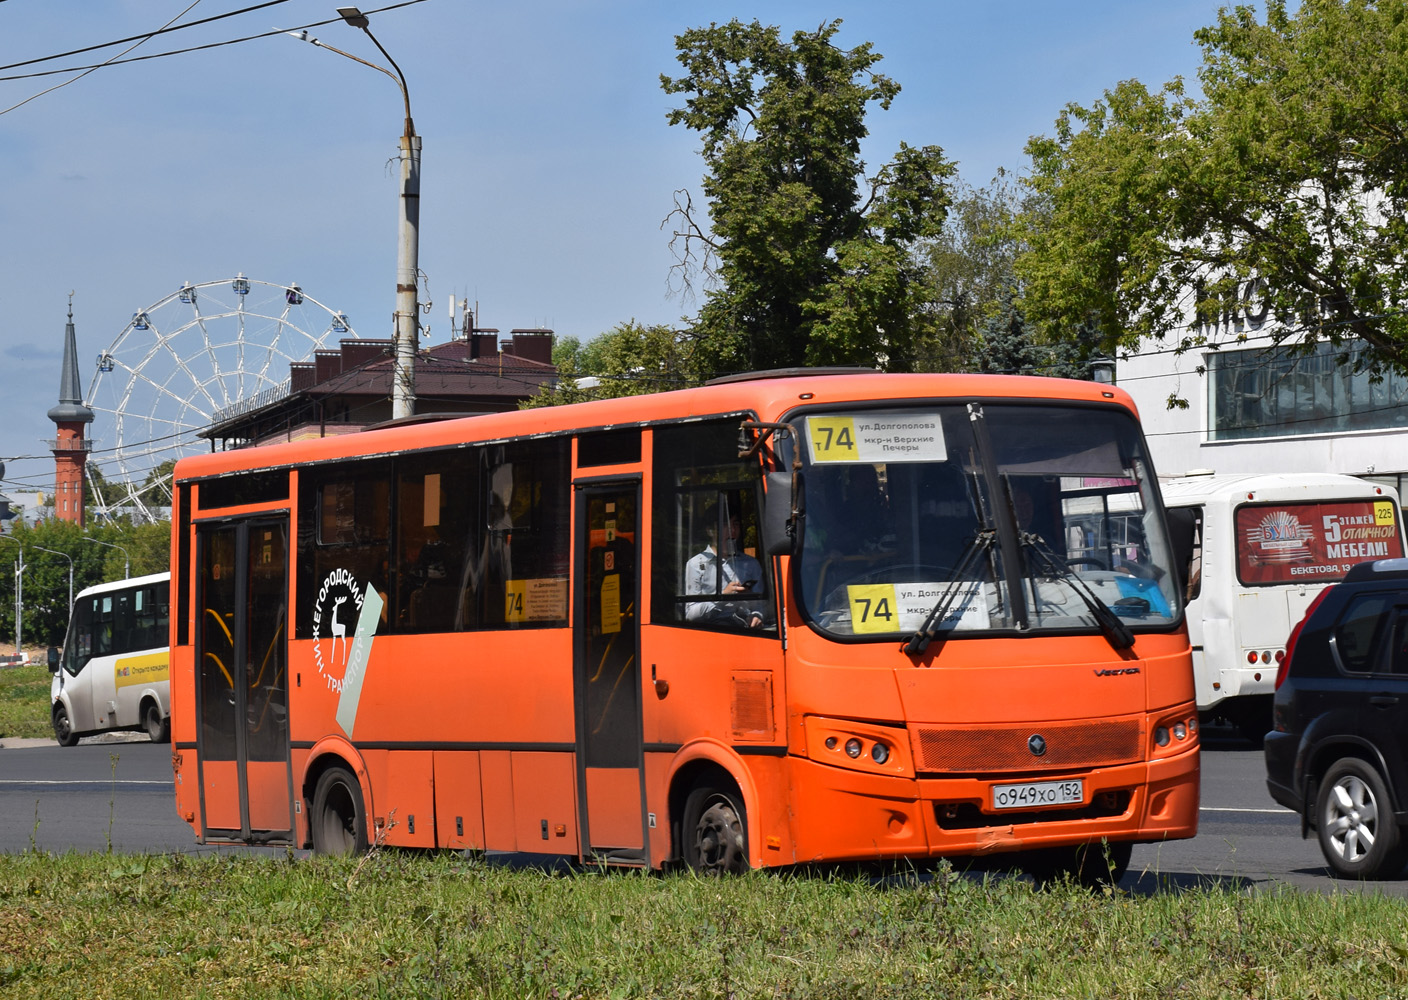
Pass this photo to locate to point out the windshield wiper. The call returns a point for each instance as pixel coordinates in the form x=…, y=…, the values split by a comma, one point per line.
x=920, y=640
x=1117, y=632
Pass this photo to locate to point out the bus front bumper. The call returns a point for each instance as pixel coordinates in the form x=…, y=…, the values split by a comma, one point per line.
x=846, y=815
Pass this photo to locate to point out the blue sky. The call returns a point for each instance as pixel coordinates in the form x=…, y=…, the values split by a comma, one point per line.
x=547, y=164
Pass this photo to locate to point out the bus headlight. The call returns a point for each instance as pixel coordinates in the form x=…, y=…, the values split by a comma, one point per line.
x=859, y=746
x=1175, y=734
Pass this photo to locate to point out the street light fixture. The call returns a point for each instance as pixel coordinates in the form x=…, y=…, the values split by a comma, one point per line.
x=126, y=559
x=406, y=337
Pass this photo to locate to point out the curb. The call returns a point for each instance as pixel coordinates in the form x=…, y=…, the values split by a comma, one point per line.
x=26, y=743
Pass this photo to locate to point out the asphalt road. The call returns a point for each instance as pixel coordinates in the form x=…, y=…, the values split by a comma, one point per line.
x=118, y=794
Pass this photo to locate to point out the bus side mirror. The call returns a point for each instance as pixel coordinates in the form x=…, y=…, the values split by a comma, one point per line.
x=1182, y=523
x=782, y=531
x=53, y=659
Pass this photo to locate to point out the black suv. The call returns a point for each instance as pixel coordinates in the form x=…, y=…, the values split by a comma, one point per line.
x=1338, y=753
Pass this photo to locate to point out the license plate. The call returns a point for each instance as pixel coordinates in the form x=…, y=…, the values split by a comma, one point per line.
x=1039, y=793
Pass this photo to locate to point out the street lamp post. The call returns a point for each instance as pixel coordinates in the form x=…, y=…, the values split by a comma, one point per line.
x=19, y=591
x=56, y=552
x=126, y=559
x=406, y=336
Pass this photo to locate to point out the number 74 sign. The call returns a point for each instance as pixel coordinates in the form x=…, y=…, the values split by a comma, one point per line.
x=903, y=607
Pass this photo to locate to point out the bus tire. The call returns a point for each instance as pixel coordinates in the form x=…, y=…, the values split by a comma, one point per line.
x=63, y=727
x=158, y=728
x=339, y=821
x=716, y=832
x=1354, y=820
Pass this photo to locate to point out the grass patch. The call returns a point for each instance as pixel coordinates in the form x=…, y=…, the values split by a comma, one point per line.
x=24, y=701
x=437, y=925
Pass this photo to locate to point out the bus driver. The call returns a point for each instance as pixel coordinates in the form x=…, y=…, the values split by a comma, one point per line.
x=736, y=573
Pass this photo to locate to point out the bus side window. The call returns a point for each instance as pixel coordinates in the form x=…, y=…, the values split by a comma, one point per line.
x=707, y=568
x=78, y=646
x=436, y=544
x=526, y=491
x=1195, y=559
x=344, y=524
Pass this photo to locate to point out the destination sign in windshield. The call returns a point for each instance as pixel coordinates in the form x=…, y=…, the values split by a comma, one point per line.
x=876, y=438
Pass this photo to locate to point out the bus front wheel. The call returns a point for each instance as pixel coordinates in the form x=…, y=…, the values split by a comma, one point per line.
x=339, y=822
x=158, y=729
x=63, y=727
x=716, y=832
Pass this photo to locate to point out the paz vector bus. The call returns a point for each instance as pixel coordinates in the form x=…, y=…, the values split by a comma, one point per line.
x=781, y=618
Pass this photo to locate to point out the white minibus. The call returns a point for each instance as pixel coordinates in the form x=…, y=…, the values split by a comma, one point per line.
x=113, y=670
x=1264, y=547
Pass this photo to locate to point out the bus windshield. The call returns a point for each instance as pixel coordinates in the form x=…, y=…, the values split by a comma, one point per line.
x=978, y=518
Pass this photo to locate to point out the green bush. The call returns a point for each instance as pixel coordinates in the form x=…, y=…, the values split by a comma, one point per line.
x=24, y=701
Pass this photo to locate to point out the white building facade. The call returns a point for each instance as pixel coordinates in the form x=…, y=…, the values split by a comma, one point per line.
x=1253, y=407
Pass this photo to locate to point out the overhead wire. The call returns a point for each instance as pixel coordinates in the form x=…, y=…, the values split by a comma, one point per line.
x=166, y=29
x=95, y=68
x=117, y=60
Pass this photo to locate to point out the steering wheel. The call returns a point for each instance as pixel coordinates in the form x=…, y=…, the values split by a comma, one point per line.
x=1140, y=570
x=1088, y=561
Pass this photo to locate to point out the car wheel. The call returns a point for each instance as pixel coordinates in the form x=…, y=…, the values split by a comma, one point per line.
x=158, y=728
x=716, y=832
x=1354, y=820
x=63, y=727
x=339, y=822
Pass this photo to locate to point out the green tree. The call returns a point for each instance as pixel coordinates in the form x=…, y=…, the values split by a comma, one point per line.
x=969, y=271
x=1291, y=167
x=1005, y=345
x=631, y=359
x=97, y=491
x=45, y=607
x=156, y=487
x=135, y=548
x=807, y=260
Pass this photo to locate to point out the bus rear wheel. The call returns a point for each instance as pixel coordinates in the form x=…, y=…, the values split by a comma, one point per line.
x=158, y=729
x=339, y=822
x=63, y=727
x=716, y=832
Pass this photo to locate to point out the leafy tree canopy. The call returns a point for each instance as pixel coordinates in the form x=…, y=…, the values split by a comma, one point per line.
x=808, y=261
x=1292, y=167
x=629, y=360
x=48, y=548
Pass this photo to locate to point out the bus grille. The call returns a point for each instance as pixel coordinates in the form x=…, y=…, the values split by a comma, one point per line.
x=1006, y=748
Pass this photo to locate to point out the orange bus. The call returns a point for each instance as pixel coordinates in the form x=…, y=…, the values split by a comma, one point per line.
x=782, y=618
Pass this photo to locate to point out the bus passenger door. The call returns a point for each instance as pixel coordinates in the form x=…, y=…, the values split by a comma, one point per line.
x=246, y=776
x=607, y=673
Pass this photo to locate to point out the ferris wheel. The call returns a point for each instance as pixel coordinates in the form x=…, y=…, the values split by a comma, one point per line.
x=184, y=362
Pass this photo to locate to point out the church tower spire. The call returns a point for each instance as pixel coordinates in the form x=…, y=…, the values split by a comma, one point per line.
x=69, y=446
